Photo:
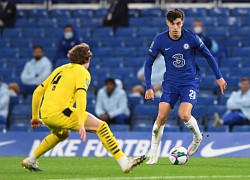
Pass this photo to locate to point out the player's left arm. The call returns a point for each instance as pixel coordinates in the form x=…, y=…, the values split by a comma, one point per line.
x=36, y=102
x=82, y=84
x=212, y=63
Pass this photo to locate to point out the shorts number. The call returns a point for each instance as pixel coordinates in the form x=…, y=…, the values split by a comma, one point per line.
x=56, y=80
x=192, y=94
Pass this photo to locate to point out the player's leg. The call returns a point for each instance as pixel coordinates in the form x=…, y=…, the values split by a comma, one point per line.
x=101, y=128
x=157, y=131
x=48, y=143
x=188, y=99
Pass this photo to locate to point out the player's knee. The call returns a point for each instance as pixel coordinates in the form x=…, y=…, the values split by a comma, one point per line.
x=184, y=115
x=64, y=135
x=161, y=118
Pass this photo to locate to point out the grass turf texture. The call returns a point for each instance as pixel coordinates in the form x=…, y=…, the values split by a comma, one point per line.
x=107, y=168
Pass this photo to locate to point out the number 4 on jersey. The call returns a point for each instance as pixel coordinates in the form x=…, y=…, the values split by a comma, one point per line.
x=56, y=80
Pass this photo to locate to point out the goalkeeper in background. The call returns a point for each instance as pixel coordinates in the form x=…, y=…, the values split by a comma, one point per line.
x=65, y=86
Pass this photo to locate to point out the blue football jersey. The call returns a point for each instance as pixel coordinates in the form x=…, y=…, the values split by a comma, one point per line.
x=181, y=67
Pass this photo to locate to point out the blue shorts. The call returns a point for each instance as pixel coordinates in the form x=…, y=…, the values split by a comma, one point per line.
x=186, y=93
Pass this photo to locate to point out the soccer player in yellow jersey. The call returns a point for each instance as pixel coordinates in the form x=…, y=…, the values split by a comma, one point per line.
x=65, y=86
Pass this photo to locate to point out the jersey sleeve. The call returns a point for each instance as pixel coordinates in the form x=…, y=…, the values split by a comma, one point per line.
x=153, y=53
x=37, y=97
x=209, y=57
x=82, y=84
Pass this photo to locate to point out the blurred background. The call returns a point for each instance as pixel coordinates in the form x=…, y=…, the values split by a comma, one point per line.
x=36, y=35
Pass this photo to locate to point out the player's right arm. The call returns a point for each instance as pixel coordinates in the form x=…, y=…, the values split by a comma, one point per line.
x=36, y=102
x=152, y=54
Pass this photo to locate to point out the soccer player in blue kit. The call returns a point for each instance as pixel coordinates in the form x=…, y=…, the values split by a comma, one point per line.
x=181, y=79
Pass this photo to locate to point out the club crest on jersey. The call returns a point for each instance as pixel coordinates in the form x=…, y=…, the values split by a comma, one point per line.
x=179, y=61
x=186, y=46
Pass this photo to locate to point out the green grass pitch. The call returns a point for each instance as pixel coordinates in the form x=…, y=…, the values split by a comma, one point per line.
x=107, y=169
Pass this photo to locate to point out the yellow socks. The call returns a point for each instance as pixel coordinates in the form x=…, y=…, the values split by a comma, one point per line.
x=108, y=140
x=48, y=143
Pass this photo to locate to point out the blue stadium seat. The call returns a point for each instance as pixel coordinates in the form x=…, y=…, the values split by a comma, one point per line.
x=33, y=33
x=126, y=32
x=46, y=43
x=241, y=52
x=232, y=82
x=60, y=13
x=154, y=102
x=135, y=100
x=196, y=12
x=102, y=52
x=12, y=32
x=148, y=32
x=103, y=32
x=112, y=63
x=223, y=100
x=240, y=32
x=93, y=23
x=245, y=42
x=113, y=42
x=219, y=12
x=245, y=63
x=135, y=42
x=53, y=33
x=68, y=21
x=217, y=129
x=242, y=128
x=220, y=109
x=101, y=13
x=9, y=53
x=38, y=13
x=145, y=112
x=60, y=62
x=129, y=82
x=230, y=62
x=19, y=44
x=151, y=12
x=240, y=12
x=245, y=21
x=208, y=82
x=21, y=13
x=2, y=127
x=158, y=22
x=134, y=12
x=25, y=23
x=49, y=23
x=229, y=21
x=93, y=42
x=139, y=22
x=199, y=111
x=17, y=128
x=101, y=73
x=119, y=127
x=91, y=99
x=172, y=128
x=220, y=31
x=91, y=109
x=134, y=62
x=142, y=52
x=83, y=13
x=209, y=21
x=125, y=52
x=21, y=111
x=142, y=128
x=124, y=72
x=4, y=43
x=242, y=71
x=5, y=73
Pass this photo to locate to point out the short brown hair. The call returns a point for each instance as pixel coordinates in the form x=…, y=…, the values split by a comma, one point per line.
x=173, y=14
x=80, y=54
x=245, y=78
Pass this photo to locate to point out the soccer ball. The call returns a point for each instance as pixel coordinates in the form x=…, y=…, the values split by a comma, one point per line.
x=178, y=155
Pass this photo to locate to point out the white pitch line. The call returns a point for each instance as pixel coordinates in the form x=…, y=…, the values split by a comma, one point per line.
x=161, y=177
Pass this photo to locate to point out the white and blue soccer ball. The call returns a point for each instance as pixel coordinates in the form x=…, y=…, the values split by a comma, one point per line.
x=178, y=155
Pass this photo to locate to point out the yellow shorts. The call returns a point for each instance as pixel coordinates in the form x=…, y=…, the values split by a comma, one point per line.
x=65, y=120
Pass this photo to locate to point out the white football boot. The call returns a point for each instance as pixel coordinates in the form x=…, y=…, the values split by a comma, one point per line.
x=194, y=145
x=133, y=162
x=152, y=160
x=32, y=166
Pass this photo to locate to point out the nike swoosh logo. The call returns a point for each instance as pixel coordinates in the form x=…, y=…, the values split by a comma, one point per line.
x=4, y=143
x=167, y=49
x=209, y=151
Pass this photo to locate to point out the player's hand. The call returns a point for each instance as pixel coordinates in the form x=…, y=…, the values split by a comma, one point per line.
x=222, y=84
x=149, y=95
x=82, y=132
x=36, y=122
